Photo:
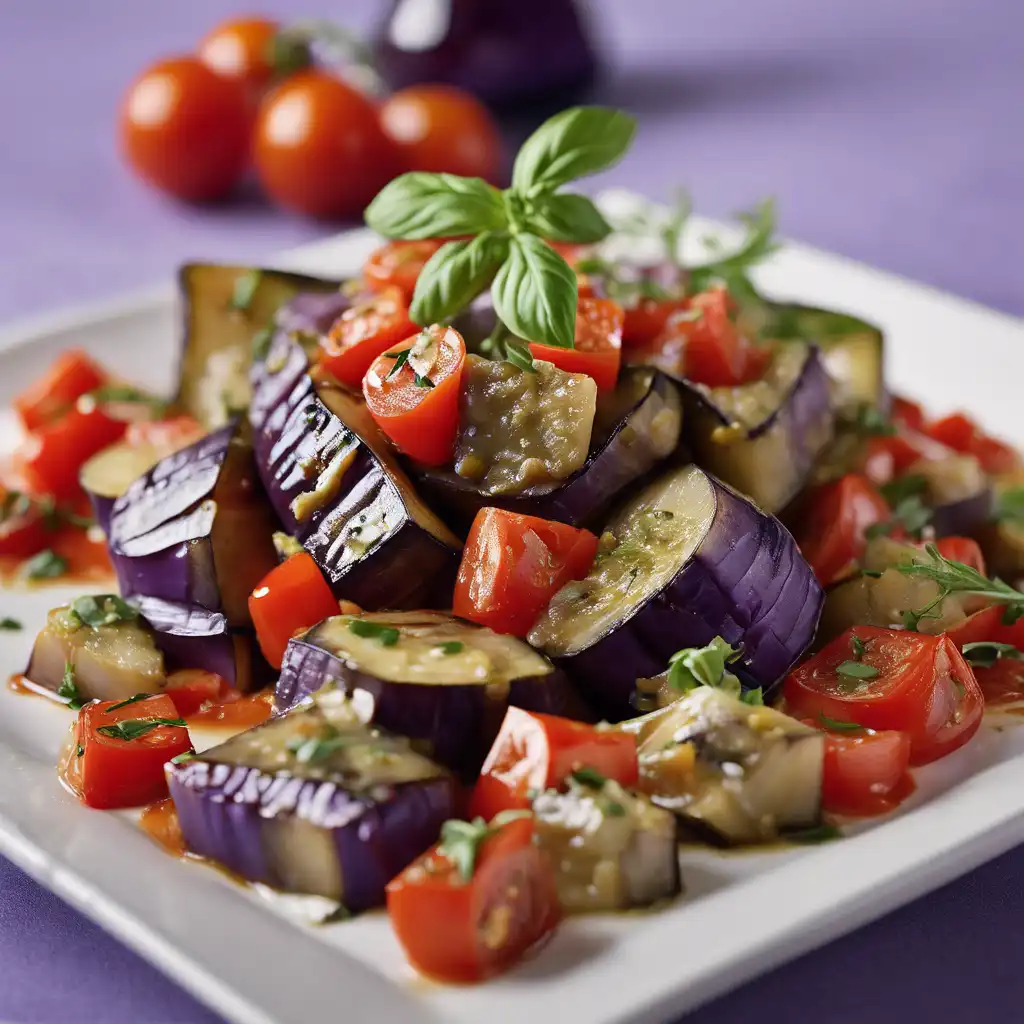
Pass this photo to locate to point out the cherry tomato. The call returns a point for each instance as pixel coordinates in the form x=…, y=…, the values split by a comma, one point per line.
x=1003, y=682
x=865, y=772
x=456, y=929
x=890, y=456
x=23, y=529
x=71, y=375
x=907, y=414
x=962, y=549
x=988, y=624
x=412, y=393
x=319, y=147
x=108, y=770
x=185, y=129
x=241, y=49
x=398, y=264
x=920, y=685
x=49, y=458
x=362, y=333
x=536, y=752
x=290, y=598
x=962, y=434
x=831, y=534
x=512, y=565
x=193, y=690
x=598, y=343
x=439, y=128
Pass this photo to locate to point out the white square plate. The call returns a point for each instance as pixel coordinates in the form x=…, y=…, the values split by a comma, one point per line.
x=246, y=957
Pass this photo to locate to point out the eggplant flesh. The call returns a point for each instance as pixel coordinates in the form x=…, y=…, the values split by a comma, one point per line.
x=958, y=491
x=764, y=438
x=737, y=772
x=443, y=682
x=213, y=374
x=611, y=849
x=636, y=427
x=686, y=560
x=313, y=802
x=111, y=662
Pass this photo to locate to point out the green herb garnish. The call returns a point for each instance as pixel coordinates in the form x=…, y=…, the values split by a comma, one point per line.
x=450, y=647
x=704, y=666
x=130, y=700
x=136, y=727
x=754, y=697
x=400, y=360
x=614, y=809
x=868, y=421
x=895, y=491
x=856, y=670
x=261, y=343
x=68, y=689
x=245, y=290
x=125, y=393
x=911, y=513
x=587, y=776
x=422, y=382
x=818, y=834
x=733, y=270
x=386, y=636
x=188, y=755
x=47, y=565
x=518, y=354
x=1009, y=506
x=10, y=624
x=318, y=748
x=102, y=610
x=461, y=842
x=985, y=653
x=79, y=750
x=835, y=725
x=857, y=646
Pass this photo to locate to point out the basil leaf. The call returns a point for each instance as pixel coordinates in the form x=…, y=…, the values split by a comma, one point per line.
x=455, y=275
x=47, y=565
x=563, y=217
x=103, y=610
x=518, y=354
x=421, y=205
x=857, y=670
x=574, y=143
x=535, y=293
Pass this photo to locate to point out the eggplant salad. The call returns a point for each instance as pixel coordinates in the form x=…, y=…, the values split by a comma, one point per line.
x=511, y=563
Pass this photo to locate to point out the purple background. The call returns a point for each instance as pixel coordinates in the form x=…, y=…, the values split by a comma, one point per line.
x=889, y=131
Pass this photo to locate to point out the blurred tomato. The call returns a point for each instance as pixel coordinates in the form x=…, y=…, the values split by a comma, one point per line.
x=241, y=49
x=185, y=129
x=439, y=128
x=319, y=147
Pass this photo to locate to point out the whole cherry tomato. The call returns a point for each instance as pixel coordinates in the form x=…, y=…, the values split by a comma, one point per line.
x=241, y=49
x=319, y=148
x=439, y=128
x=185, y=129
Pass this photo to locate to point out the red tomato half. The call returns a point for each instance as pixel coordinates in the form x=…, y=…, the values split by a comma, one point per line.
x=962, y=549
x=512, y=565
x=962, y=434
x=598, y=344
x=987, y=624
x=922, y=686
x=463, y=930
x=363, y=332
x=398, y=264
x=536, y=752
x=831, y=535
x=110, y=771
x=291, y=597
x=865, y=772
x=412, y=393
x=193, y=690
x=71, y=375
x=647, y=319
x=906, y=413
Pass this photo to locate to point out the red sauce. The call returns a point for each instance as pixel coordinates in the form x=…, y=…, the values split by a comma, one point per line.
x=160, y=822
x=884, y=803
x=241, y=713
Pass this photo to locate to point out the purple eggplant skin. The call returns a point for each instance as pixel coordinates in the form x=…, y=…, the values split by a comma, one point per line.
x=231, y=812
x=745, y=581
x=507, y=53
x=196, y=529
x=196, y=638
x=457, y=723
x=963, y=518
x=769, y=462
x=644, y=433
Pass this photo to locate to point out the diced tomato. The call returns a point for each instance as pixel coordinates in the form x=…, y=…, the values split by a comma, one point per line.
x=536, y=752
x=362, y=333
x=23, y=529
x=962, y=549
x=890, y=456
x=168, y=435
x=962, y=434
x=512, y=565
x=118, y=752
x=906, y=413
x=1002, y=683
x=865, y=772
x=459, y=929
x=571, y=252
x=903, y=681
x=71, y=375
x=194, y=690
x=645, y=321
x=292, y=597
x=598, y=345
x=413, y=394
x=398, y=265
x=49, y=458
x=988, y=624
x=831, y=535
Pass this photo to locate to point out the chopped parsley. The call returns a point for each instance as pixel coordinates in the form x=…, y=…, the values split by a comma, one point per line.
x=133, y=728
x=422, y=382
x=125, y=393
x=911, y=513
x=1009, y=506
x=450, y=647
x=856, y=670
x=79, y=750
x=261, y=343
x=985, y=653
x=68, y=689
x=755, y=696
x=703, y=666
x=318, y=748
x=909, y=486
x=386, y=636
x=188, y=755
x=102, y=610
x=400, y=358
x=869, y=422
x=858, y=647
x=587, y=776
x=130, y=700
x=818, y=834
x=10, y=624
x=245, y=290
x=835, y=725
x=47, y=565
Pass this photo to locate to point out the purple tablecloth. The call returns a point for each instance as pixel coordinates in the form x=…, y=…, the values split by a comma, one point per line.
x=889, y=131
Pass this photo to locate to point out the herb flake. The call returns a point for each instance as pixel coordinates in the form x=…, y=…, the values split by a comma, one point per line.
x=103, y=610
x=47, y=565
x=587, y=776
x=985, y=653
x=835, y=725
x=245, y=290
x=450, y=647
x=10, y=625
x=857, y=670
x=386, y=636
x=68, y=689
x=133, y=728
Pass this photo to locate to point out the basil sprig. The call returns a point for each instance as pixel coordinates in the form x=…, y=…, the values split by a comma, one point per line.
x=535, y=291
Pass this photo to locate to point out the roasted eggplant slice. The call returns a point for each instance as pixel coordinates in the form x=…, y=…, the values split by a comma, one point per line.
x=427, y=675
x=612, y=850
x=738, y=772
x=764, y=438
x=196, y=529
x=225, y=308
x=635, y=428
x=112, y=661
x=690, y=560
x=313, y=802
x=338, y=489
x=958, y=491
